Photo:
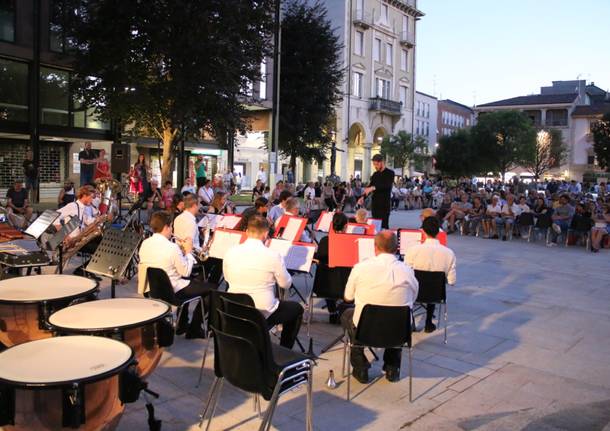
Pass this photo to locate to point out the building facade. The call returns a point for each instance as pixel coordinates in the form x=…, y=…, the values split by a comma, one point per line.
x=453, y=116
x=378, y=37
x=426, y=111
x=570, y=107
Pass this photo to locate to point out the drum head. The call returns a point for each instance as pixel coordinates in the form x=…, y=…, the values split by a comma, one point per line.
x=40, y=288
x=108, y=314
x=62, y=361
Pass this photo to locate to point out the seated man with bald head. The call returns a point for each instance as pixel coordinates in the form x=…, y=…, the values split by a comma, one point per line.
x=381, y=280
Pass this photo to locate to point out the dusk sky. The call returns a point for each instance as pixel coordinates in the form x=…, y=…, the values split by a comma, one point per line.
x=478, y=51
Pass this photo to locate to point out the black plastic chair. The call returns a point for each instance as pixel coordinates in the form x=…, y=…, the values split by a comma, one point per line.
x=246, y=358
x=383, y=327
x=433, y=290
x=526, y=220
x=215, y=305
x=329, y=283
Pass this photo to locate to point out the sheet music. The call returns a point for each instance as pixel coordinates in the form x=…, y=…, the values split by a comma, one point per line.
x=408, y=240
x=325, y=221
x=296, y=257
x=210, y=220
x=222, y=242
x=366, y=248
x=229, y=221
x=292, y=229
x=360, y=230
x=376, y=223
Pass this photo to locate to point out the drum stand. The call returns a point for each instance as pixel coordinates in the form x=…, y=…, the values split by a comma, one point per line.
x=114, y=254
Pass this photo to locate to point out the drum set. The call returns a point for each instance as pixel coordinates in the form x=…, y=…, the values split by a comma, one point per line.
x=73, y=361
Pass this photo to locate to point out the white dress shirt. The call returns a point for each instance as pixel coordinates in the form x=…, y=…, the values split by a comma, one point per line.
x=381, y=280
x=432, y=256
x=84, y=213
x=254, y=269
x=276, y=212
x=159, y=252
x=185, y=226
x=187, y=188
x=309, y=193
x=206, y=194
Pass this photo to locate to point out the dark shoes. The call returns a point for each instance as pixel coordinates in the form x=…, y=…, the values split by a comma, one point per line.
x=392, y=374
x=361, y=374
x=334, y=318
x=430, y=327
x=197, y=333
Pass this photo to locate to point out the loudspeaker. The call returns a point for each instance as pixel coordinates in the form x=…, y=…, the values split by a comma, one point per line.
x=119, y=162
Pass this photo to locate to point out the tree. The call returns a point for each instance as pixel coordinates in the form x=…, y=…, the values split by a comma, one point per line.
x=550, y=152
x=311, y=76
x=504, y=139
x=170, y=69
x=456, y=156
x=404, y=149
x=601, y=141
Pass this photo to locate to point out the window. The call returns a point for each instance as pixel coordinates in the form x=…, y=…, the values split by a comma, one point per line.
x=404, y=95
x=13, y=90
x=359, y=43
x=383, y=88
x=557, y=117
x=54, y=96
x=7, y=20
x=262, y=89
x=359, y=7
x=384, y=14
x=417, y=127
x=388, y=53
x=427, y=129
x=404, y=56
x=58, y=41
x=377, y=50
x=357, y=84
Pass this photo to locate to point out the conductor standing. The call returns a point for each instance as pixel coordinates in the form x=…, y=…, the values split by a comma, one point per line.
x=381, y=187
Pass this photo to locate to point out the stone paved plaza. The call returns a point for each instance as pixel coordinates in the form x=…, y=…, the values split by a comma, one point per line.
x=528, y=350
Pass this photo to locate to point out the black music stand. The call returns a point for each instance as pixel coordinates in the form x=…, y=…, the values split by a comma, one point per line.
x=57, y=241
x=112, y=256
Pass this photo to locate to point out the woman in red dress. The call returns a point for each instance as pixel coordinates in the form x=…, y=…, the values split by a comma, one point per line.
x=102, y=167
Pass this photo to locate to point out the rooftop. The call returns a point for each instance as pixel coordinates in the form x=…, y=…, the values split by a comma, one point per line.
x=591, y=110
x=453, y=102
x=534, y=99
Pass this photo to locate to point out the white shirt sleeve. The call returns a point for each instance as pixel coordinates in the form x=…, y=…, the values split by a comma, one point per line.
x=451, y=273
x=183, y=264
x=350, y=287
x=282, y=277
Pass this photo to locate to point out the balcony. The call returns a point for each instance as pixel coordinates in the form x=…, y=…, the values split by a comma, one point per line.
x=407, y=39
x=362, y=19
x=385, y=106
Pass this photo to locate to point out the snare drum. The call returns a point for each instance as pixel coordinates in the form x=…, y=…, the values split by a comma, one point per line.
x=27, y=302
x=137, y=322
x=70, y=382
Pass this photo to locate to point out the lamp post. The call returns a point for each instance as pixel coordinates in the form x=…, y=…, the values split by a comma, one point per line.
x=277, y=44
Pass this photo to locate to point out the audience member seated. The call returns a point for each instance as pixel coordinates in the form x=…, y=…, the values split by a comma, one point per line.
x=493, y=216
x=381, y=280
x=510, y=212
x=601, y=228
x=254, y=269
x=159, y=252
x=474, y=217
x=432, y=256
x=292, y=208
x=581, y=223
x=19, y=209
x=562, y=217
x=66, y=195
x=458, y=211
x=206, y=194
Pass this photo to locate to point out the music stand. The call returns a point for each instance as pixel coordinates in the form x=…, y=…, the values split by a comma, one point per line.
x=41, y=224
x=57, y=241
x=112, y=256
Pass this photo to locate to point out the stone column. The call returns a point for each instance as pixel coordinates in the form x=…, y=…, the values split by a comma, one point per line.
x=366, y=163
x=543, y=117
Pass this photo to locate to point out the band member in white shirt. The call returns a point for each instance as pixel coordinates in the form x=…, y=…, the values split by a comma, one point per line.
x=177, y=262
x=278, y=210
x=254, y=269
x=432, y=256
x=381, y=280
x=206, y=193
x=185, y=225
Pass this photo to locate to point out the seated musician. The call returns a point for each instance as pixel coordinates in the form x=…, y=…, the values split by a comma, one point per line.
x=86, y=213
x=292, y=207
x=177, y=205
x=261, y=206
x=20, y=211
x=220, y=204
x=159, y=252
x=254, y=269
x=331, y=281
x=278, y=210
x=185, y=224
x=206, y=193
x=431, y=256
x=381, y=280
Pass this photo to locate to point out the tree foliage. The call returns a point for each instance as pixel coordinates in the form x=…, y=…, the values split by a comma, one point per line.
x=504, y=140
x=456, y=156
x=169, y=69
x=550, y=152
x=405, y=150
x=601, y=141
x=311, y=75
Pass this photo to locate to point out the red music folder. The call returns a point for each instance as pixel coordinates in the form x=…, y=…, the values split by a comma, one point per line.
x=290, y=227
x=360, y=229
x=345, y=249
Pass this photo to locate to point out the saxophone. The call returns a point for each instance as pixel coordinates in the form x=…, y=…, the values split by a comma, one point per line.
x=86, y=235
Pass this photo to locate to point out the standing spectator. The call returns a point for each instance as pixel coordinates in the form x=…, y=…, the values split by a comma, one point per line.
x=87, y=159
x=144, y=173
x=381, y=187
x=289, y=176
x=200, y=171
x=30, y=170
x=562, y=217
x=261, y=175
x=238, y=181
x=228, y=181
x=19, y=209
x=328, y=194
x=102, y=167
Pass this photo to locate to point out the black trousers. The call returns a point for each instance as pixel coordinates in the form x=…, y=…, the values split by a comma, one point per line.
x=290, y=315
x=383, y=214
x=430, y=312
x=391, y=357
x=194, y=289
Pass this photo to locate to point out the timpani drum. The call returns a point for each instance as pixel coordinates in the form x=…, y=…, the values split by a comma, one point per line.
x=140, y=323
x=27, y=302
x=63, y=382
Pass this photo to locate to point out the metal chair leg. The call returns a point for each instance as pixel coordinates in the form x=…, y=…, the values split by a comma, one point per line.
x=309, y=418
x=257, y=405
x=203, y=414
x=205, y=354
x=310, y=311
x=216, y=398
x=410, y=376
x=349, y=372
x=445, y=318
x=266, y=423
x=529, y=234
x=345, y=341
